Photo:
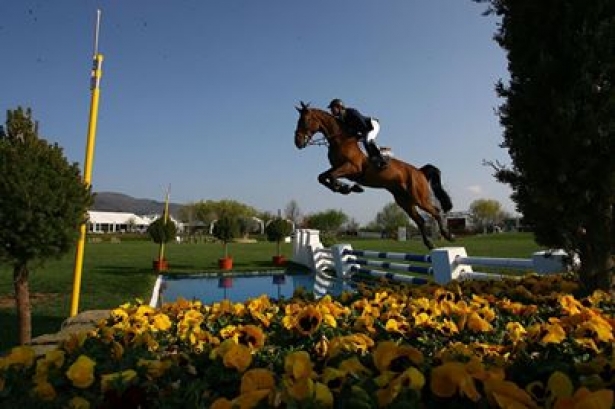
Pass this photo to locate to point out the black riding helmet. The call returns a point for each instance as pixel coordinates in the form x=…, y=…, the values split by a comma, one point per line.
x=336, y=103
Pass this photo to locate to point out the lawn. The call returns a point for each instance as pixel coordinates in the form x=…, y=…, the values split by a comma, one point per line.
x=114, y=273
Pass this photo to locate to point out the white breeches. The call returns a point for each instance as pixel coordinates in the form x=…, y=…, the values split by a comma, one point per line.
x=371, y=135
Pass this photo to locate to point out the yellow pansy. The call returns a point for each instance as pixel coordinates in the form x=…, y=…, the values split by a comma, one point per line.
x=570, y=305
x=81, y=372
x=221, y=403
x=155, y=368
x=323, y=395
x=308, y=320
x=298, y=365
x=515, y=331
x=299, y=389
x=583, y=398
x=555, y=334
x=250, y=399
x=238, y=356
x=109, y=381
x=78, y=403
x=45, y=391
x=450, y=379
x=252, y=336
x=55, y=357
x=21, y=355
x=161, y=322
x=506, y=394
x=257, y=379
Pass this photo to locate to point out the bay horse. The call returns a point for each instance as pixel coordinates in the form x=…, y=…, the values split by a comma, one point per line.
x=409, y=186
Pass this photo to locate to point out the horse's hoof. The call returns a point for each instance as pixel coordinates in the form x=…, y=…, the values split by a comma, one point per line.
x=357, y=189
x=345, y=189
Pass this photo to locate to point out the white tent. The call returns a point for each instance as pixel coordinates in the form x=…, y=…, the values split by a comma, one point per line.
x=109, y=222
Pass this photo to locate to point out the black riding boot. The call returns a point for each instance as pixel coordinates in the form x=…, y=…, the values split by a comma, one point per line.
x=375, y=156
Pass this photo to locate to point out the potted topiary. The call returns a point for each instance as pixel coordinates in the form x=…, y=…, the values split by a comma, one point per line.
x=277, y=230
x=161, y=233
x=225, y=229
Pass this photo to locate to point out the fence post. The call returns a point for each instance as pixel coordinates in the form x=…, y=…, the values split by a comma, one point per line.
x=340, y=260
x=550, y=261
x=302, y=239
x=445, y=269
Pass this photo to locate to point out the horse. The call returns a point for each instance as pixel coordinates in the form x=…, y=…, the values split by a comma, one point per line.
x=409, y=186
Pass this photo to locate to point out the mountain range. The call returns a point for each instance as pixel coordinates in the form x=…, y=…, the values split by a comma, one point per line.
x=119, y=202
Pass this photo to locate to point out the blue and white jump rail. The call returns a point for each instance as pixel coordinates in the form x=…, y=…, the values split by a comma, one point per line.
x=335, y=267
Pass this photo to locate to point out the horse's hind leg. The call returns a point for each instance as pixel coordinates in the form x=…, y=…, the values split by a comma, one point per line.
x=406, y=204
x=435, y=212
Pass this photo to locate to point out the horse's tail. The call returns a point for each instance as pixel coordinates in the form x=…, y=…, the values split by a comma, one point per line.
x=432, y=174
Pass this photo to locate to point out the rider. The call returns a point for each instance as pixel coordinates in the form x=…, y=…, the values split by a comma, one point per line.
x=362, y=127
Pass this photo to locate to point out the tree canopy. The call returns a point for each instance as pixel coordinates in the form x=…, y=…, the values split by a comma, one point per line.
x=328, y=221
x=210, y=210
x=390, y=218
x=486, y=213
x=42, y=198
x=559, y=123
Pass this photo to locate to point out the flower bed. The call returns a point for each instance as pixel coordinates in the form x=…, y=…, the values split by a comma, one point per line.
x=509, y=344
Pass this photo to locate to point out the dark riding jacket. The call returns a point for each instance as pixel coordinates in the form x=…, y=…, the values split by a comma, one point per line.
x=355, y=123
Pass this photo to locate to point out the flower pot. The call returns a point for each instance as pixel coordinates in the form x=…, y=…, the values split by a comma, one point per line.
x=160, y=265
x=278, y=260
x=225, y=263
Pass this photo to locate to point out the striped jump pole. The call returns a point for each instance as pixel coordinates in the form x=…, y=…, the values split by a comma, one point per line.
x=347, y=263
x=402, y=278
x=421, y=258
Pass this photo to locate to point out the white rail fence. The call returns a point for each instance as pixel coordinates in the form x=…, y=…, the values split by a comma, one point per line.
x=335, y=267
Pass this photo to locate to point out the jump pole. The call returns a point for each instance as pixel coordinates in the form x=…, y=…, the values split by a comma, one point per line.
x=165, y=219
x=95, y=78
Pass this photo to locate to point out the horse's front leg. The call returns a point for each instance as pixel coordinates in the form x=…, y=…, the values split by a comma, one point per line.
x=349, y=171
x=329, y=182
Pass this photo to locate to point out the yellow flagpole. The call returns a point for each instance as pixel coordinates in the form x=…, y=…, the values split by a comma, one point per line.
x=89, y=159
x=165, y=218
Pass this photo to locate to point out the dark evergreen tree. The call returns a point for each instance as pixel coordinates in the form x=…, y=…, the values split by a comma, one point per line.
x=559, y=124
x=43, y=201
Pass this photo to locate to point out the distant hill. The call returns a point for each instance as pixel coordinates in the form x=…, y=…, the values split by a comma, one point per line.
x=119, y=202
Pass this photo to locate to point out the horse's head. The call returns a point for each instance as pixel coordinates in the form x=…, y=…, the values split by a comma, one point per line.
x=307, y=126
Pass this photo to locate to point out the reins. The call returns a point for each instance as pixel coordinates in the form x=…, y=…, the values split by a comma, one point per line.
x=322, y=141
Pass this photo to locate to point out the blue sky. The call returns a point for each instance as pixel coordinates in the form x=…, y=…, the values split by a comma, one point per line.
x=201, y=94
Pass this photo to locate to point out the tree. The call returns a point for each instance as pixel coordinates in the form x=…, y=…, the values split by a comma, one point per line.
x=276, y=230
x=559, y=126
x=390, y=218
x=293, y=212
x=161, y=232
x=43, y=202
x=209, y=210
x=329, y=221
x=486, y=213
x=226, y=228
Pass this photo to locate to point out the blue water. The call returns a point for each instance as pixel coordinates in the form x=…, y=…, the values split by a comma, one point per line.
x=211, y=289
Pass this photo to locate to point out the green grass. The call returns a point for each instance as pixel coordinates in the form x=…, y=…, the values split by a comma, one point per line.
x=115, y=273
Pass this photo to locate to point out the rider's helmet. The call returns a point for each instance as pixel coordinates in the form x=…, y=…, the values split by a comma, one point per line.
x=336, y=103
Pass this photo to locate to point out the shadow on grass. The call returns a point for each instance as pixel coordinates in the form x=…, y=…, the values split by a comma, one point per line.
x=41, y=324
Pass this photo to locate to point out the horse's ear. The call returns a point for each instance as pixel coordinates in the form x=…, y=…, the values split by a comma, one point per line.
x=304, y=106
